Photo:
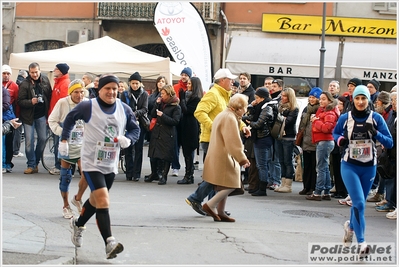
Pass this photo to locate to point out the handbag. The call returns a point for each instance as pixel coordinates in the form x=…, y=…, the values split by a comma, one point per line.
x=299, y=137
x=277, y=130
x=145, y=121
x=152, y=123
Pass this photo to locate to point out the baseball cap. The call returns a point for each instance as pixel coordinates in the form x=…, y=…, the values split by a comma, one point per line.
x=224, y=73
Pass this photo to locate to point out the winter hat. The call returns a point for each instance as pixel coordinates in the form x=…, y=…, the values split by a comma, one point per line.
x=236, y=84
x=355, y=81
x=187, y=71
x=6, y=68
x=75, y=84
x=375, y=83
x=316, y=92
x=361, y=90
x=135, y=76
x=262, y=92
x=63, y=67
x=384, y=97
x=23, y=73
x=105, y=79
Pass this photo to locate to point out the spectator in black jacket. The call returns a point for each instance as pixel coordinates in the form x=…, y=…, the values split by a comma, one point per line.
x=137, y=98
x=34, y=100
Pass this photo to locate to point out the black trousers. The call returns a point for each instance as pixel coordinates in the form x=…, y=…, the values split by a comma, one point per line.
x=309, y=170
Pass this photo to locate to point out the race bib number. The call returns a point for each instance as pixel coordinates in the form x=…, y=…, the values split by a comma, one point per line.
x=106, y=153
x=361, y=150
x=76, y=136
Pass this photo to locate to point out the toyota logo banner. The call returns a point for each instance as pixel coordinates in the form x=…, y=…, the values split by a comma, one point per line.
x=184, y=33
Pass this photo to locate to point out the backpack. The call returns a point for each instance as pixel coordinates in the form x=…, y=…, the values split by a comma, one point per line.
x=278, y=125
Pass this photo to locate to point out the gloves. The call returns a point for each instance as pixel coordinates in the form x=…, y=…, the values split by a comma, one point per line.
x=63, y=148
x=182, y=94
x=124, y=142
x=342, y=142
x=370, y=128
x=285, y=112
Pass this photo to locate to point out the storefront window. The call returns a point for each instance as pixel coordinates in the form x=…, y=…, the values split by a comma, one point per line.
x=302, y=86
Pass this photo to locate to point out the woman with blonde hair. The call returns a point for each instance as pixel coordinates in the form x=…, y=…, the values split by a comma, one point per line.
x=288, y=107
x=122, y=87
x=225, y=157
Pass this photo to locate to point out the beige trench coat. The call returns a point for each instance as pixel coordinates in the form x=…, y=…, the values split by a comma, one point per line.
x=225, y=152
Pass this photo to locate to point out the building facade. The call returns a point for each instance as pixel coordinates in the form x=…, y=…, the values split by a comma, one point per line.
x=264, y=39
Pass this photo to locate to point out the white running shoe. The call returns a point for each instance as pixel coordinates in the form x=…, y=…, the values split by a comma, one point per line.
x=20, y=154
x=348, y=235
x=392, y=215
x=364, y=251
x=113, y=248
x=77, y=204
x=77, y=232
x=67, y=212
x=175, y=172
x=54, y=171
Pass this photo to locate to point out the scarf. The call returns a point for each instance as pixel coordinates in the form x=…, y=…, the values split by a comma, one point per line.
x=310, y=109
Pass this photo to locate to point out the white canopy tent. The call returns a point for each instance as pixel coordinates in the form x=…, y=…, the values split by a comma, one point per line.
x=99, y=56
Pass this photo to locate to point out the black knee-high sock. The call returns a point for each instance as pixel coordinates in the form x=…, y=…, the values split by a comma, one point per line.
x=103, y=223
x=87, y=211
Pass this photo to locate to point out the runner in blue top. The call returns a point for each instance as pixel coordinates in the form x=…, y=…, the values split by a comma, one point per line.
x=357, y=132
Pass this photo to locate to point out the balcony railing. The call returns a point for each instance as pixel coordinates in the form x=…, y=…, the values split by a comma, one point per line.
x=145, y=11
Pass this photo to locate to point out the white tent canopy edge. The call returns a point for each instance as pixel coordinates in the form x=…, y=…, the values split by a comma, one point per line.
x=99, y=56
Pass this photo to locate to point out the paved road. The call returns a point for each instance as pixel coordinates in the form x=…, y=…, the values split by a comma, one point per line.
x=157, y=227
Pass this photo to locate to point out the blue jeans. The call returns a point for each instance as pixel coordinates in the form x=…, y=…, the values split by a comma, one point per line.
x=284, y=150
x=274, y=167
x=323, y=181
x=390, y=196
x=205, y=188
x=33, y=154
x=263, y=159
x=17, y=140
x=381, y=184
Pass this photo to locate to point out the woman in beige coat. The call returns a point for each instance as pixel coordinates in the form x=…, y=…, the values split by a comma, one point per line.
x=222, y=166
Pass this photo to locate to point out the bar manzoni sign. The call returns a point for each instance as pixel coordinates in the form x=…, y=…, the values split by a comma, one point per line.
x=354, y=27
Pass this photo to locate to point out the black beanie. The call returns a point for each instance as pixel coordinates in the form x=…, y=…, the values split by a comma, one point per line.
x=262, y=92
x=63, y=67
x=135, y=76
x=107, y=79
x=355, y=82
x=375, y=83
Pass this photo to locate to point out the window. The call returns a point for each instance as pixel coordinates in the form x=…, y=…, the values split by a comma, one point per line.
x=7, y=5
x=385, y=7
